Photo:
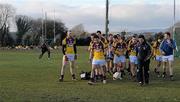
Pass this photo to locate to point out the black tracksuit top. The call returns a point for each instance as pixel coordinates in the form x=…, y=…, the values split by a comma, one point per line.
x=143, y=51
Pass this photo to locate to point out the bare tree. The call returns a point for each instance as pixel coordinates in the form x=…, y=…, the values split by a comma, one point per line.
x=23, y=26
x=60, y=28
x=78, y=31
x=6, y=12
x=36, y=31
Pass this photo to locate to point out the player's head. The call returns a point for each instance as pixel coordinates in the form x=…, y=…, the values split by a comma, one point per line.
x=123, y=37
x=167, y=35
x=135, y=35
x=69, y=33
x=92, y=36
x=96, y=38
x=99, y=33
x=134, y=39
x=120, y=38
x=110, y=37
x=141, y=39
x=118, y=35
x=159, y=40
x=115, y=38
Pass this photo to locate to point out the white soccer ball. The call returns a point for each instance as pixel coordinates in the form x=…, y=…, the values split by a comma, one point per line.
x=117, y=75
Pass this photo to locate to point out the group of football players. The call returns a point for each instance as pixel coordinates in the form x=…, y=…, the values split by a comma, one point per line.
x=115, y=54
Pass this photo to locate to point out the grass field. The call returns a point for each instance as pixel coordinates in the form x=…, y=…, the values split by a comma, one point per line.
x=25, y=78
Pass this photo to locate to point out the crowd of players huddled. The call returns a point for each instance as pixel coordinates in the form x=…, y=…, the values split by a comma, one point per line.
x=116, y=55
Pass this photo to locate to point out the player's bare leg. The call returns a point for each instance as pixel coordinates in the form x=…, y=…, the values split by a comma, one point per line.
x=72, y=70
x=164, y=69
x=93, y=74
x=171, y=71
x=64, y=62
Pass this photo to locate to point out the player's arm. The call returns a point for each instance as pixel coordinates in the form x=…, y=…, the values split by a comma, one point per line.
x=154, y=48
x=161, y=48
x=90, y=51
x=91, y=54
x=129, y=46
x=172, y=44
x=64, y=47
x=106, y=44
x=116, y=51
x=75, y=49
x=149, y=51
x=136, y=49
x=125, y=47
x=90, y=46
x=113, y=48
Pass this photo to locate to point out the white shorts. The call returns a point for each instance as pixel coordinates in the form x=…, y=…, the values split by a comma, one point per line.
x=98, y=62
x=133, y=59
x=167, y=58
x=159, y=58
x=71, y=57
x=118, y=59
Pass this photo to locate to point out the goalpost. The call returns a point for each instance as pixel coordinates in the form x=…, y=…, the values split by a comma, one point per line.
x=177, y=39
x=176, y=32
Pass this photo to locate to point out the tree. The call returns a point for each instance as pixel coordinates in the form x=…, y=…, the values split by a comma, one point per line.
x=27, y=40
x=78, y=31
x=6, y=13
x=60, y=28
x=36, y=31
x=23, y=26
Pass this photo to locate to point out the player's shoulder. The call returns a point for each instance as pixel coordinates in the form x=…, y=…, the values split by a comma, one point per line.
x=125, y=43
x=104, y=40
x=115, y=43
x=64, y=41
x=101, y=43
x=91, y=43
x=149, y=45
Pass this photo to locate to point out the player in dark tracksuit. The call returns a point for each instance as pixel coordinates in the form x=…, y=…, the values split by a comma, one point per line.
x=143, y=54
x=44, y=49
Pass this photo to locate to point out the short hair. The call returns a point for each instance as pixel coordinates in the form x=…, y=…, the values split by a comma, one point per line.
x=104, y=35
x=110, y=34
x=123, y=37
x=118, y=34
x=115, y=36
x=141, y=36
x=99, y=31
x=96, y=36
x=135, y=36
x=168, y=33
x=93, y=34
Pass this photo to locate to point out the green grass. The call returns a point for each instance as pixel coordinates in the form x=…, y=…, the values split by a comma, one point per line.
x=25, y=78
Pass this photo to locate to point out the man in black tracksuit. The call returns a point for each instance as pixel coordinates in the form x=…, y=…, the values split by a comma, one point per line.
x=44, y=49
x=143, y=54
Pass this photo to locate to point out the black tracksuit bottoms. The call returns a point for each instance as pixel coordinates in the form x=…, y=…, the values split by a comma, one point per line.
x=143, y=71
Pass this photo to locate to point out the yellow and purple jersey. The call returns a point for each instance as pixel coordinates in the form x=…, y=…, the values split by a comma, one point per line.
x=120, y=48
x=156, y=49
x=104, y=41
x=132, y=48
x=98, y=51
x=69, y=45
